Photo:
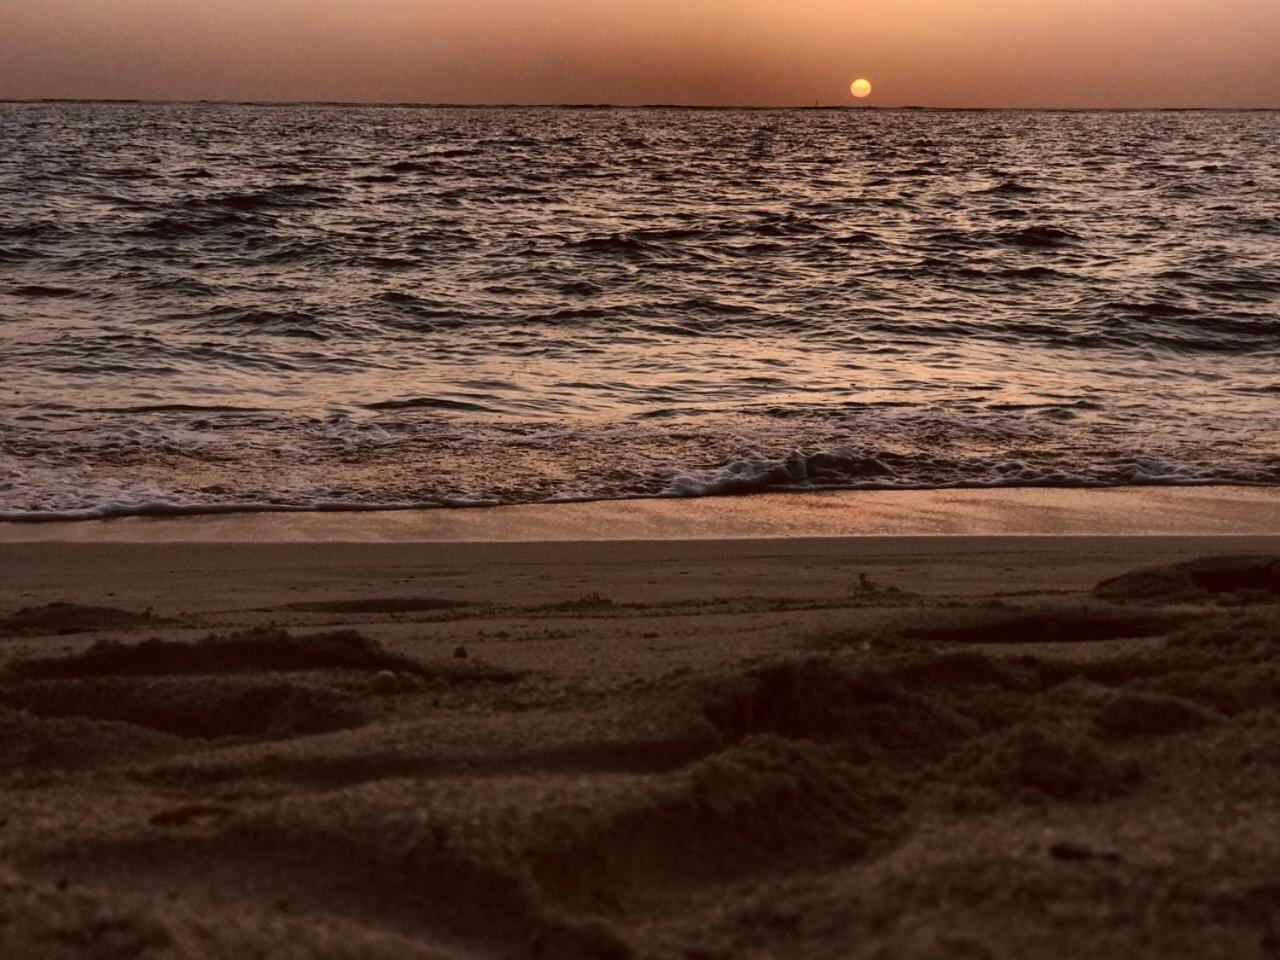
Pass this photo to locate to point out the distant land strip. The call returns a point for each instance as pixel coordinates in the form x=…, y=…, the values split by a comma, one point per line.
x=423, y=105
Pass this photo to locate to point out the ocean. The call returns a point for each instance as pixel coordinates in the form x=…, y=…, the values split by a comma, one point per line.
x=240, y=307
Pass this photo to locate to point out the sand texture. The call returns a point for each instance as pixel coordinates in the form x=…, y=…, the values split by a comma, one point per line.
x=862, y=748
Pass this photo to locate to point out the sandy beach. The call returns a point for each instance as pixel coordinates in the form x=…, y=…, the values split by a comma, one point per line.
x=639, y=481
x=903, y=746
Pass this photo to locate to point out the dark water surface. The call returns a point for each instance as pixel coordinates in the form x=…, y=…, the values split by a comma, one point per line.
x=233, y=305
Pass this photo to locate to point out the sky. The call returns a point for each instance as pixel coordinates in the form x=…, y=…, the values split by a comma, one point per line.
x=944, y=53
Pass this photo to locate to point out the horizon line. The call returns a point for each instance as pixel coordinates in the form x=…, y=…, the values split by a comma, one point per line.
x=454, y=105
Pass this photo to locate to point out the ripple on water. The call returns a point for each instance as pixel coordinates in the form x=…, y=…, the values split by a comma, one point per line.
x=211, y=307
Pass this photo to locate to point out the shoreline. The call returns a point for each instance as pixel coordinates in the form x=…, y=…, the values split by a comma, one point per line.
x=1013, y=511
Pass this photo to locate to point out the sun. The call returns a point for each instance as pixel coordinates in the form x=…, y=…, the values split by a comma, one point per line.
x=860, y=88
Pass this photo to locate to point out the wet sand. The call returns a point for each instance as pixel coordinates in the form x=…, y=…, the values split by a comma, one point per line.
x=1010, y=511
x=844, y=747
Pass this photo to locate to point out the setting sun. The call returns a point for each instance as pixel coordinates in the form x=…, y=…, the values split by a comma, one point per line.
x=860, y=88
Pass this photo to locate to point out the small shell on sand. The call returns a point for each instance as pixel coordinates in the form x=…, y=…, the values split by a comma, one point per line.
x=385, y=683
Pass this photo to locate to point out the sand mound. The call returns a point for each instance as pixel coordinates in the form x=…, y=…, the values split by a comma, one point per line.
x=1052, y=760
x=1136, y=714
x=53, y=922
x=1249, y=579
x=387, y=605
x=264, y=649
x=49, y=924
x=1052, y=727
x=1228, y=690
x=1067, y=625
x=752, y=806
x=222, y=686
x=209, y=708
x=942, y=788
x=70, y=618
x=32, y=744
x=591, y=603
x=819, y=765
x=1005, y=625
x=543, y=865
x=821, y=700
x=1248, y=637
x=256, y=650
x=219, y=687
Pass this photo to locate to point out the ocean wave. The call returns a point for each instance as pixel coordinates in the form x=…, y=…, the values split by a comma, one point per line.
x=407, y=456
x=18, y=254
x=1043, y=236
x=161, y=508
x=429, y=403
x=280, y=195
x=850, y=469
x=613, y=243
x=38, y=290
x=740, y=480
x=827, y=470
x=540, y=306
x=1010, y=188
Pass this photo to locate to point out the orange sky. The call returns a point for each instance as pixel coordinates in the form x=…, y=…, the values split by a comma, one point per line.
x=1105, y=53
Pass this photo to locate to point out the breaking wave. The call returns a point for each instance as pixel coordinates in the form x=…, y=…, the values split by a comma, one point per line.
x=218, y=308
